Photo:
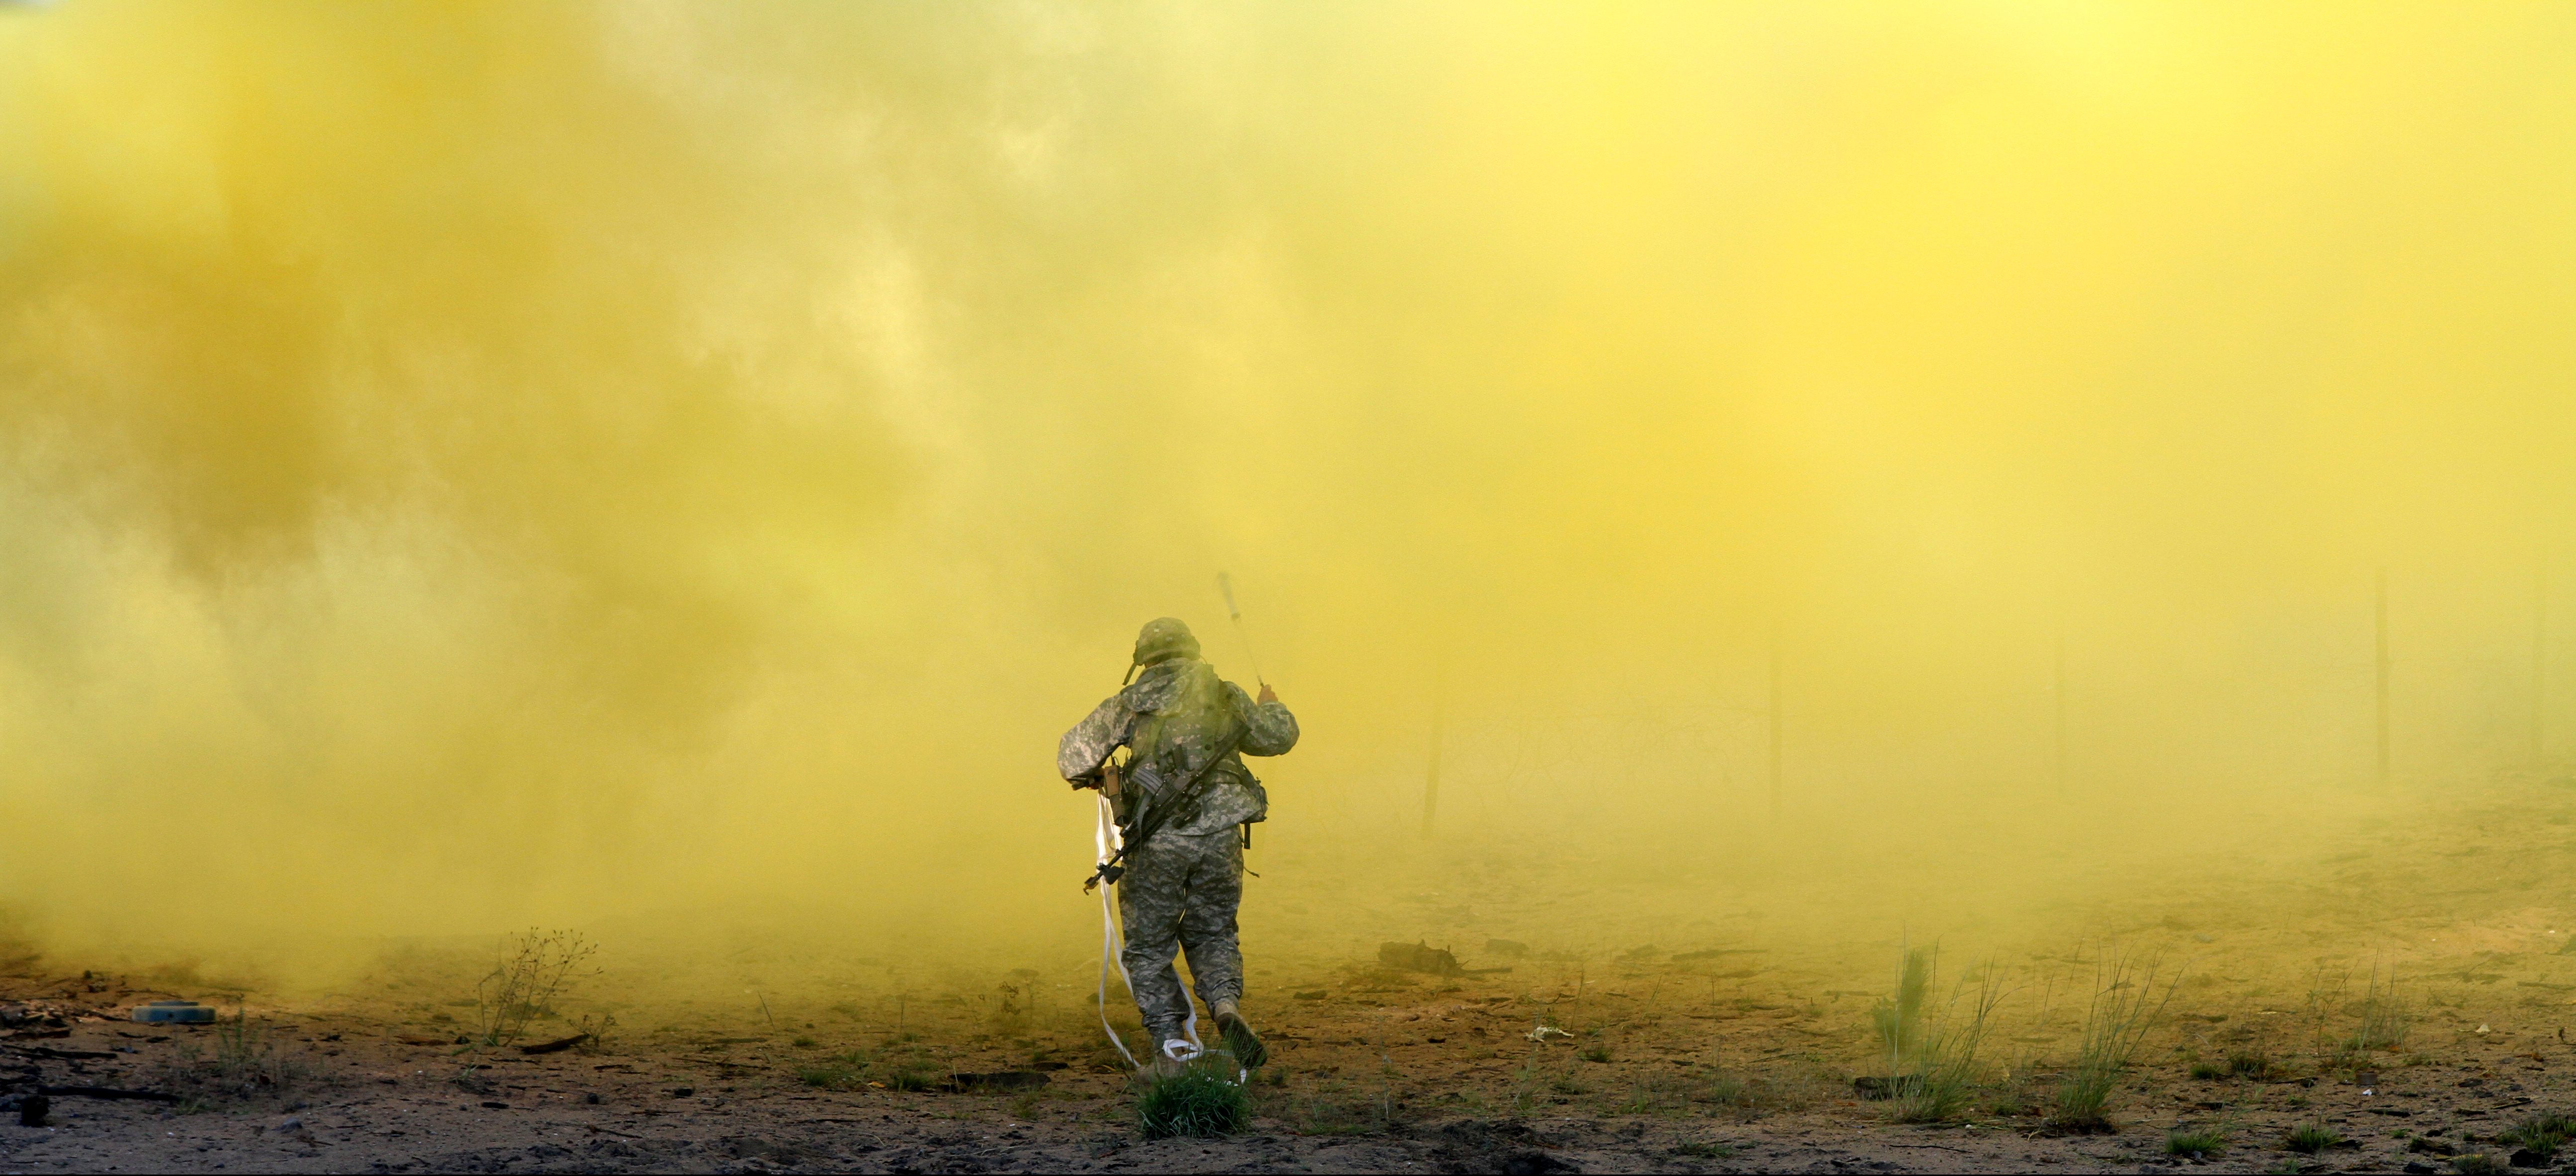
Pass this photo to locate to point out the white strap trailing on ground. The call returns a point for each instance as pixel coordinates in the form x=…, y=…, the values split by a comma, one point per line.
x=1104, y=843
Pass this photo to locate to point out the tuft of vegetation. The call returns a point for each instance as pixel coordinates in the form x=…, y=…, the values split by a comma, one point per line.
x=2429, y=1144
x=1761, y=1097
x=1200, y=1101
x=1527, y=1080
x=2195, y=1143
x=869, y=1068
x=2541, y=1134
x=1653, y=1094
x=2325, y=994
x=247, y=1063
x=1727, y=1090
x=2254, y=1062
x=1333, y=1107
x=2479, y=1164
x=2251, y=1062
x=595, y=1030
x=536, y=969
x=1899, y=1021
x=2311, y=1138
x=2385, y=1017
x=1932, y=1054
x=2124, y=1008
x=243, y=1047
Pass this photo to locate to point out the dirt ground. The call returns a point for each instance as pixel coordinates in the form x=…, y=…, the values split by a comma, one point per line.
x=1720, y=1050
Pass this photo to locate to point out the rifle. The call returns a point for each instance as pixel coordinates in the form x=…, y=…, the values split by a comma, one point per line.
x=1149, y=820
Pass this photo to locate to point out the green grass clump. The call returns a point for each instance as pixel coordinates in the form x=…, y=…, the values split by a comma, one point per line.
x=245, y=1052
x=1932, y=1054
x=1900, y=1020
x=2195, y=1143
x=2542, y=1134
x=860, y=1068
x=1652, y=1095
x=837, y=1074
x=2125, y=1007
x=2244, y=1063
x=1201, y=1101
x=2311, y=1138
x=2256, y=1064
x=2479, y=1164
x=248, y=1063
x=2385, y=1018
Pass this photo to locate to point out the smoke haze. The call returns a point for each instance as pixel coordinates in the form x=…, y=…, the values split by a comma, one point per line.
x=471, y=465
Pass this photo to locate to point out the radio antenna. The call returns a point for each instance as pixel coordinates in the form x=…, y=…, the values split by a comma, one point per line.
x=1225, y=587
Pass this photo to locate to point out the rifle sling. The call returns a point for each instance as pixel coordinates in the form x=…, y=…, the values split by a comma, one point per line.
x=1150, y=821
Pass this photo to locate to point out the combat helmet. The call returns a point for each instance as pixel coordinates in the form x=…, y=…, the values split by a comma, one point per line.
x=1163, y=639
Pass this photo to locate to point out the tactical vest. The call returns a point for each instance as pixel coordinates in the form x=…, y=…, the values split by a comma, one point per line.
x=1185, y=717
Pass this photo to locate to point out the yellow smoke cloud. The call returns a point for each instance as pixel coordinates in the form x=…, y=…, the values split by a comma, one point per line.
x=469, y=464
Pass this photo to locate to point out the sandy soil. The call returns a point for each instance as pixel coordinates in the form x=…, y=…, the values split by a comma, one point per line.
x=1728, y=1053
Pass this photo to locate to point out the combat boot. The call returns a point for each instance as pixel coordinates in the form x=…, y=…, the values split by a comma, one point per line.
x=1239, y=1037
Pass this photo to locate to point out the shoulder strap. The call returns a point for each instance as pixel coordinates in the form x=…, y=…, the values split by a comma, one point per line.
x=1150, y=820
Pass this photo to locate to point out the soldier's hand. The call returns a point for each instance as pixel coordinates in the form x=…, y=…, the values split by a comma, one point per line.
x=1268, y=694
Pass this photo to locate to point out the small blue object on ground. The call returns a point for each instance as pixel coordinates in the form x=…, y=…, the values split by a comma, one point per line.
x=184, y=1012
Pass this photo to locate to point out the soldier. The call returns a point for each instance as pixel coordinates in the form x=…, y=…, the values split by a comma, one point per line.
x=1181, y=722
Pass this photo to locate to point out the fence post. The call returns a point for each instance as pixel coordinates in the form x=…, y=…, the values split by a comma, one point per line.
x=1431, y=779
x=1775, y=719
x=2540, y=663
x=2383, y=676
x=2058, y=697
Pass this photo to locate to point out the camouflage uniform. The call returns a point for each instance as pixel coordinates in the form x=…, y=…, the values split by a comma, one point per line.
x=1183, y=885
x=1182, y=892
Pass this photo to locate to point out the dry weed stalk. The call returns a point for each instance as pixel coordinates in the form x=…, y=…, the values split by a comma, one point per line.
x=540, y=967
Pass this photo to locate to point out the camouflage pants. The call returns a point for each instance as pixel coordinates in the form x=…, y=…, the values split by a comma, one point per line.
x=1181, y=891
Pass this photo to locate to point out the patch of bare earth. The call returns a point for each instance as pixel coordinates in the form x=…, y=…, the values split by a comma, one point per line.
x=1725, y=1055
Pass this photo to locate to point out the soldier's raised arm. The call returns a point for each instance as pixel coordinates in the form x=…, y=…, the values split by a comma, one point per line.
x=1268, y=727
x=1107, y=728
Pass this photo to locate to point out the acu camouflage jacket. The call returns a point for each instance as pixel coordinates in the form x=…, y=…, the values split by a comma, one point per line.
x=1175, y=715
